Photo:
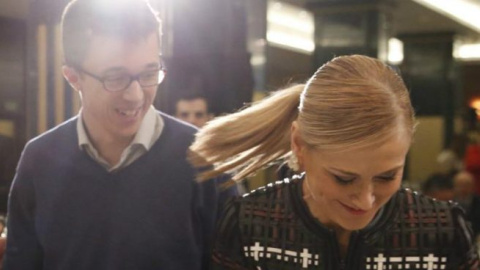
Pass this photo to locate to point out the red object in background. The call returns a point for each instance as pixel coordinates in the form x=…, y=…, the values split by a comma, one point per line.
x=472, y=164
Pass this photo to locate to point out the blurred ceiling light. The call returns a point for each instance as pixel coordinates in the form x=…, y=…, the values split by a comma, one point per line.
x=291, y=41
x=291, y=22
x=467, y=51
x=395, y=51
x=290, y=27
x=257, y=60
x=466, y=12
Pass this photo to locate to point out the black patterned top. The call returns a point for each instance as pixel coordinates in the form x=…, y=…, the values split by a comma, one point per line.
x=272, y=228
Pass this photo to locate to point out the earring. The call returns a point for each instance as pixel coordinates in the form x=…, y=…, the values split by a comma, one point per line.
x=293, y=162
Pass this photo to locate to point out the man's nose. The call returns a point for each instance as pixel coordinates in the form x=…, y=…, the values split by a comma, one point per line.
x=134, y=92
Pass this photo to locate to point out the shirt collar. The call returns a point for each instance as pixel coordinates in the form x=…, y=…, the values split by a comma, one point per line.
x=144, y=137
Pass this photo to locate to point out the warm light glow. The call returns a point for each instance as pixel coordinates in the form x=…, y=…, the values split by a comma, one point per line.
x=290, y=27
x=395, y=51
x=291, y=41
x=468, y=51
x=475, y=104
x=290, y=22
x=465, y=12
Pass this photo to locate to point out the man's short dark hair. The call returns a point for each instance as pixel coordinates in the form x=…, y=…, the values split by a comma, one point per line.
x=193, y=96
x=127, y=19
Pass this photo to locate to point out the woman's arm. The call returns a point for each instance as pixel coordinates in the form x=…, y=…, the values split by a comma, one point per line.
x=227, y=250
x=467, y=253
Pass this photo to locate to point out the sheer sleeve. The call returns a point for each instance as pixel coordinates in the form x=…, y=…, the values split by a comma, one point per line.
x=227, y=249
x=467, y=255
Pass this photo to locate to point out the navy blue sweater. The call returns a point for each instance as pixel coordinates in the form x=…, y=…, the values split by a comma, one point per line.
x=67, y=212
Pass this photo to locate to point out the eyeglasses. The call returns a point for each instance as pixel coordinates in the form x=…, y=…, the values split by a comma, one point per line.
x=120, y=82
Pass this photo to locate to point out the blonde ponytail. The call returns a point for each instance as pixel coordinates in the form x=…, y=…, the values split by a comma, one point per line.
x=250, y=139
x=350, y=102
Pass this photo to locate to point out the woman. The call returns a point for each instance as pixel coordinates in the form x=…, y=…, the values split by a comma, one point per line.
x=348, y=131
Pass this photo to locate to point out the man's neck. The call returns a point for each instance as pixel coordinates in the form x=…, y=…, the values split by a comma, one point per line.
x=108, y=146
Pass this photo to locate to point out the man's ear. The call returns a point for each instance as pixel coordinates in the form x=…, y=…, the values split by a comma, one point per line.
x=297, y=144
x=72, y=76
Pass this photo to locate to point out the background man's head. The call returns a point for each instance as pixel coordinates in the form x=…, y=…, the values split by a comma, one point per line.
x=193, y=109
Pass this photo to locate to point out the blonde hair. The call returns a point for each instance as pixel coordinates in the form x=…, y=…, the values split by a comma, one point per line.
x=350, y=101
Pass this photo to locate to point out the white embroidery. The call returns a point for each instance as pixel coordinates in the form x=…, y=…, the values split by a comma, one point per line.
x=430, y=262
x=380, y=262
x=306, y=258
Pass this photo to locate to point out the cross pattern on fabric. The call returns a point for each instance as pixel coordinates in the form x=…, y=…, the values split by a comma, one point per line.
x=430, y=262
x=305, y=258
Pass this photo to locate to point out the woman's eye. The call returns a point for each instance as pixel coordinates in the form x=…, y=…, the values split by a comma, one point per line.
x=344, y=180
x=386, y=178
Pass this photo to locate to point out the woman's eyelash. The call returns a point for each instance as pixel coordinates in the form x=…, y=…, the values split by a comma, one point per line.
x=343, y=181
x=387, y=177
x=346, y=181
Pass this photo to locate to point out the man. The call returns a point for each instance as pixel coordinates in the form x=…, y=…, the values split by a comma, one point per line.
x=464, y=190
x=110, y=189
x=193, y=109
x=438, y=186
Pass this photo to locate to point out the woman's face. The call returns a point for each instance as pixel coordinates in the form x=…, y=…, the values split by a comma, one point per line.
x=346, y=189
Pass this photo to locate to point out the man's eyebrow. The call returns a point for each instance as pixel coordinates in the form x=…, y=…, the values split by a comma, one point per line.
x=123, y=69
x=114, y=69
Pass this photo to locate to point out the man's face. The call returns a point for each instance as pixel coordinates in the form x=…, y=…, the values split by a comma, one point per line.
x=114, y=116
x=193, y=111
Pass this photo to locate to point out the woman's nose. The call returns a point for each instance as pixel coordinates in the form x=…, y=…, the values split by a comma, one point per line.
x=364, y=198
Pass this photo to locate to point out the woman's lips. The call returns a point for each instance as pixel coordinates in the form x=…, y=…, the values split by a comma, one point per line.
x=354, y=211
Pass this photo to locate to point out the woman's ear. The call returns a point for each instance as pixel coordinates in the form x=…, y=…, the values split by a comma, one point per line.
x=71, y=75
x=297, y=144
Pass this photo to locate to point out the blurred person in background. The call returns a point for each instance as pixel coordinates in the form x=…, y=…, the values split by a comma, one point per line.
x=111, y=188
x=472, y=159
x=346, y=133
x=438, y=186
x=450, y=159
x=464, y=194
x=193, y=109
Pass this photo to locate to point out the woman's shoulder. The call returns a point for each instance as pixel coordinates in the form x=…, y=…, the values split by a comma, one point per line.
x=436, y=225
x=421, y=210
x=272, y=189
x=409, y=199
x=273, y=199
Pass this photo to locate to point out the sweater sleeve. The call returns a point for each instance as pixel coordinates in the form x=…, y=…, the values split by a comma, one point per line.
x=23, y=248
